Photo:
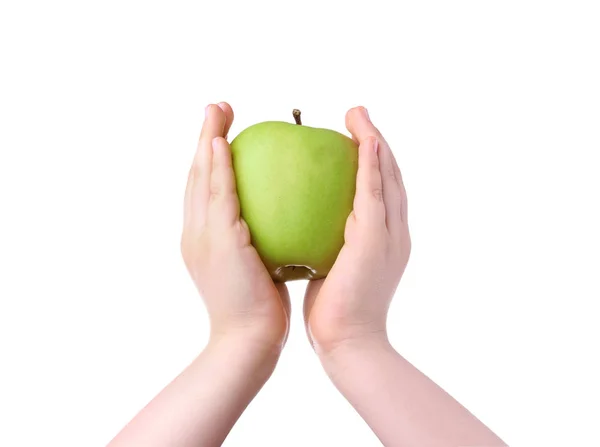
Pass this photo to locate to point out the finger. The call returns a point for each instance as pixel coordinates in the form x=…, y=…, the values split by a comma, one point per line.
x=392, y=188
x=228, y=111
x=285, y=297
x=361, y=127
x=214, y=123
x=198, y=188
x=368, y=199
x=359, y=124
x=285, y=301
x=310, y=296
x=223, y=203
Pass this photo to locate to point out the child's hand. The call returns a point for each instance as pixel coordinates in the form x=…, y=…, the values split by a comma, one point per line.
x=248, y=313
x=240, y=296
x=351, y=304
x=346, y=314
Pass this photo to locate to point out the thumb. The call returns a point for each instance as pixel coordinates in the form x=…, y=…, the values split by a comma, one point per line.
x=310, y=296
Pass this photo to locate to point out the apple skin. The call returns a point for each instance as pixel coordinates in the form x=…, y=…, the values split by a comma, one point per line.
x=296, y=187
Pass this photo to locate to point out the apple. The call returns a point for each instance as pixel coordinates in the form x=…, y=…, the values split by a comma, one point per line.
x=296, y=186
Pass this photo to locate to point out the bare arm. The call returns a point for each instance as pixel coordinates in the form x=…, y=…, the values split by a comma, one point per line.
x=202, y=404
x=401, y=405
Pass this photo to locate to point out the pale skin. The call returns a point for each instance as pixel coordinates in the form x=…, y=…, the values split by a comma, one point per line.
x=345, y=313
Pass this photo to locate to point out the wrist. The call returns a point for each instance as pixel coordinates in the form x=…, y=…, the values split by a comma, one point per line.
x=236, y=360
x=353, y=349
x=255, y=346
x=256, y=336
x=329, y=331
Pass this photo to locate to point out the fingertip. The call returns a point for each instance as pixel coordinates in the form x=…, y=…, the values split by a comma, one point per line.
x=229, y=116
x=214, y=112
x=226, y=108
x=219, y=144
x=208, y=110
x=354, y=116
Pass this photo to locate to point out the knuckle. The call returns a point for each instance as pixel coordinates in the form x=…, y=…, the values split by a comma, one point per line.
x=242, y=227
x=215, y=191
x=391, y=172
x=242, y=232
x=377, y=194
x=221, y=186
x=397, y=173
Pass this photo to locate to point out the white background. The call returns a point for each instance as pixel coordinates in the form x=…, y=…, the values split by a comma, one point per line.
x=492, y=109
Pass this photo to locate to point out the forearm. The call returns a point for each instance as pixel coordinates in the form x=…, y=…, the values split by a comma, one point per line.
x=202, y=404
x=401, y=405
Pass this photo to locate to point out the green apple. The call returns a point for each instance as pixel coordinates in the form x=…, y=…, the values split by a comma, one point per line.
x=296, y=188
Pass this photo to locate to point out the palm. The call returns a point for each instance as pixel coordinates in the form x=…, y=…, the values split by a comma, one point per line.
x=333, y=304
x=273, y=298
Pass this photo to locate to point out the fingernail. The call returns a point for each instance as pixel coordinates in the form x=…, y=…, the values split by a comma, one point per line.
x=376, y=145
x=367, y=113
x=206, y=109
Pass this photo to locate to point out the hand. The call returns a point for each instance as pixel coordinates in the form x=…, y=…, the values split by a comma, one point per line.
x=249, y=315
x=240, y=296
x=346, y=314
x=352, y=302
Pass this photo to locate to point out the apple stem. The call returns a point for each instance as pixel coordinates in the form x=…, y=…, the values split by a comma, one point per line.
x=296, y=114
